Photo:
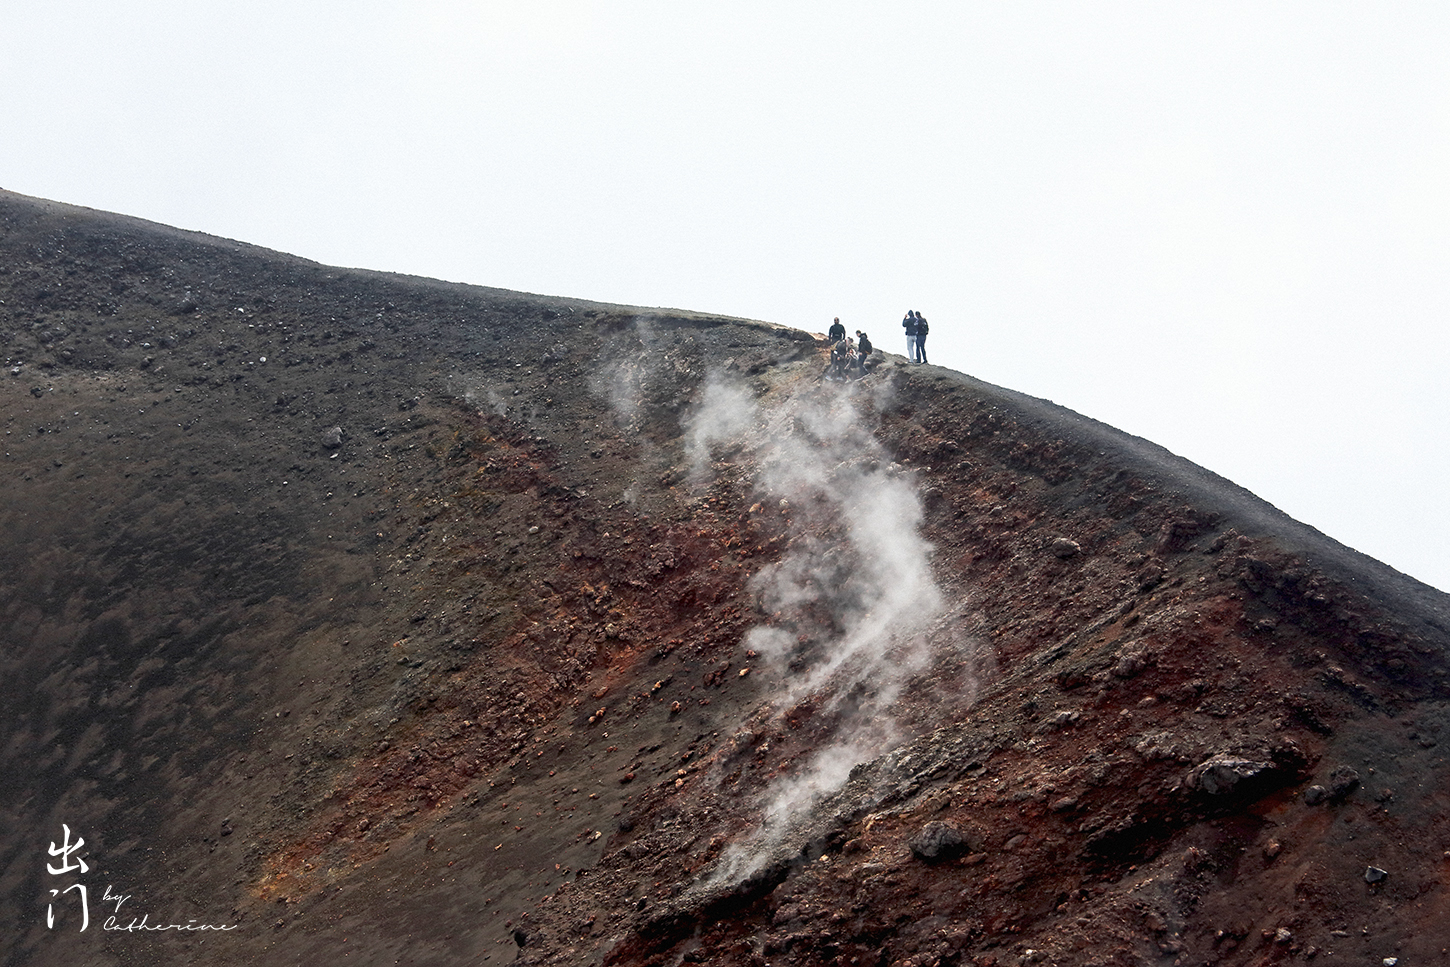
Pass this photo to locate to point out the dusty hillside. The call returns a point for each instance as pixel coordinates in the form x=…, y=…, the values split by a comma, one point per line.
x=393, y=621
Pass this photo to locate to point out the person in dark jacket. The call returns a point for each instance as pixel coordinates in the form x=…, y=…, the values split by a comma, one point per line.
x=863, y=350
x=837, y=332
x=842, y=360
x=909, y=324
x=921, y=330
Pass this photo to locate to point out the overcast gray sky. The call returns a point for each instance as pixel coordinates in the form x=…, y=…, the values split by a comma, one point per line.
x=1221, y=226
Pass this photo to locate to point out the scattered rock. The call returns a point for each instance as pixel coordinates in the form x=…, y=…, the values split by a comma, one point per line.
x=1342, y=782
x=1129, y=666
x=1150, y=577
x=1315, y=795
x=1060, y=720
x=938, y=841
x=1063, y=548
x=1374, y=874
x=1222, y=774
x=332, y=439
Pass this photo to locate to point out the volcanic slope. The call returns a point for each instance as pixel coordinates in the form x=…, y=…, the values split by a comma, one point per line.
x=395, y=621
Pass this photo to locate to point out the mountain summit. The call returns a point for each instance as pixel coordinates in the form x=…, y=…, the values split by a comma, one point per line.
x=371, y=618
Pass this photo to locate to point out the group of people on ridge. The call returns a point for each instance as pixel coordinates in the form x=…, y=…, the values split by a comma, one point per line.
x=850, y=356
x=847, y=355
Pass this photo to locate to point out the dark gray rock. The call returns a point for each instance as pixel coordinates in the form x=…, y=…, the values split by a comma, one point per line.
x=1222, y=774
x=1129, y=666
x=938, y=841
x=1342, y=782
x=1064, y=548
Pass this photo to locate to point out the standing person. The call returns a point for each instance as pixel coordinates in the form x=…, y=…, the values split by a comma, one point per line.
x=837, y=331
x=921, y=330
x=909, y=324
x=840, y=358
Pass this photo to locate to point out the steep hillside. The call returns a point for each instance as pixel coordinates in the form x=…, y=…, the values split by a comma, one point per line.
x=394, y=621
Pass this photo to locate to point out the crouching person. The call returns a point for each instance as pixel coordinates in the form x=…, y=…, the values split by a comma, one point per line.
x=863, y=352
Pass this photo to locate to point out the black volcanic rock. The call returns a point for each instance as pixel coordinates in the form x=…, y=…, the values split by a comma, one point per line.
x=938, y=841
x=1222, y=775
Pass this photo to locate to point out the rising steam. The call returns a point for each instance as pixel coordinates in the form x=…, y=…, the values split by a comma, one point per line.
x=850, y=604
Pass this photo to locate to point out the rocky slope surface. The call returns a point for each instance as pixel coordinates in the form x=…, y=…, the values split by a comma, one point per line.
x=396, y=621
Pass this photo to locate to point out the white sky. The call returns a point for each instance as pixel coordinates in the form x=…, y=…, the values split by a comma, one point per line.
x=1221, y=226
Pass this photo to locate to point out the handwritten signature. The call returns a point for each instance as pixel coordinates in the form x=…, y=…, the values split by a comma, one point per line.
x=72, y=863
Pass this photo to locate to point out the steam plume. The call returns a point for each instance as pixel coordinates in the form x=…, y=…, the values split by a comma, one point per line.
x=850, y=604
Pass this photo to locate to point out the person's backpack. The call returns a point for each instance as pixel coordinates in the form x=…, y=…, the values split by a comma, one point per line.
x=921, y=326
x=865, y=347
